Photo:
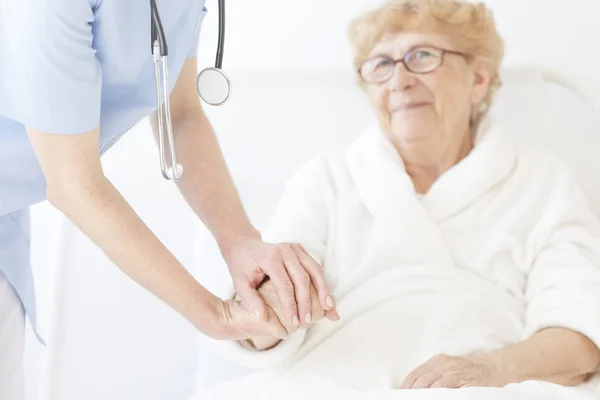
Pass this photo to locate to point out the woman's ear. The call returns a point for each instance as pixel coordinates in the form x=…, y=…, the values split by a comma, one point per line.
x=482, y=77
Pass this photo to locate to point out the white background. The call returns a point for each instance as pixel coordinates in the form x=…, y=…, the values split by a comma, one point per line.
x=293, y=96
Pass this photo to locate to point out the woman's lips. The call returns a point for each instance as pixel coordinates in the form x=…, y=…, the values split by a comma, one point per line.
x=410, y=106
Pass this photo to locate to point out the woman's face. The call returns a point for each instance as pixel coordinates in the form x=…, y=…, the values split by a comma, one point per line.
x=436, y=105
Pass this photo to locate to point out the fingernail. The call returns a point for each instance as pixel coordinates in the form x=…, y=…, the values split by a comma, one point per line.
x=329, y=301
x=307, y=319
x=256, y=313
x=295, y=321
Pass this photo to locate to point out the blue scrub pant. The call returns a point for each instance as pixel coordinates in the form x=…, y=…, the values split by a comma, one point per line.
x=12, y=343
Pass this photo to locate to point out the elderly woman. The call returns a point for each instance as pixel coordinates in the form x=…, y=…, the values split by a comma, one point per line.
x=459, y=259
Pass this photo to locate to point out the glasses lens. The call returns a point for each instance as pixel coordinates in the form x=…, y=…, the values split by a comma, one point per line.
x=423, y=59
x=377, y=69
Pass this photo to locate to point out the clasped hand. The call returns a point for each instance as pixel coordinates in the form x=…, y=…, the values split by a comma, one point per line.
x=276, y=327
x=279, y=288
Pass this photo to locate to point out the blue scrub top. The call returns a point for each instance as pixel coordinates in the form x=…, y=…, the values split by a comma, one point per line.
x=67, y=67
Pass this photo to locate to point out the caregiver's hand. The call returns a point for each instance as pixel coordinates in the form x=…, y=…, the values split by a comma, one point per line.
x=291, y=269
x=269, y=293
x=444, y=371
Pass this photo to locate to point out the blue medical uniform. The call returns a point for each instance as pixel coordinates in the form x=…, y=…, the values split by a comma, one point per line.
x=67, y=67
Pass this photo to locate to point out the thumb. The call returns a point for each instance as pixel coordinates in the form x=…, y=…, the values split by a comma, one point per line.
x=332, y=315
x=275, y=327
x=253, y=302
x=243, y=323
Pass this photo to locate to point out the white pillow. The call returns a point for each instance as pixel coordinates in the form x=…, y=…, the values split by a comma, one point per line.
x=546, y=114
x=530, y=109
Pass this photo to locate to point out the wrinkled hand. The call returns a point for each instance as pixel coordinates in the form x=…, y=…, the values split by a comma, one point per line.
x=269, y=293
x=444, y=371
x=291, y=270
x=275, y=309
x=241, y=324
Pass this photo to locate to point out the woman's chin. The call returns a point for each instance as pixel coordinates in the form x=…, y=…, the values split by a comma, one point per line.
x=411, y=131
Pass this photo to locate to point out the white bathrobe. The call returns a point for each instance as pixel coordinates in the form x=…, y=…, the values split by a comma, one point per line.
x=502, y=245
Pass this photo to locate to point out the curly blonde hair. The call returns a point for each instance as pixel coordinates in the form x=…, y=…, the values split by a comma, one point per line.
x=469, y=26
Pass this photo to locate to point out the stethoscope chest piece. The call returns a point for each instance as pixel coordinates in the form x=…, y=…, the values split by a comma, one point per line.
x=214, y=86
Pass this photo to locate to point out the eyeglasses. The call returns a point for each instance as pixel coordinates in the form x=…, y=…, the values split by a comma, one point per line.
x=418, y=60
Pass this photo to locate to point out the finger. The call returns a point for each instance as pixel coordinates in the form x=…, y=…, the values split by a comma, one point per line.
x=247, y=325
x=269, y=294
x=275, y=326
x=301, y=281
x=332, y=315
x=425, y=381
x=440, y=383
x=421, y=370
x=446, y=382
x=252, y=302
x=317, y=276
x=284, y=287
x=317, y=311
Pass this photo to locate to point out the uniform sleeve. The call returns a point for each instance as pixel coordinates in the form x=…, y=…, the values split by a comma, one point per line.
x=49, y=71
x=196, y=38
x=301, y=217
x=563, y=288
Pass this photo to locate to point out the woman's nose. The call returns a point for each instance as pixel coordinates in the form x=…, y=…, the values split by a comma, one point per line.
x=401, y=78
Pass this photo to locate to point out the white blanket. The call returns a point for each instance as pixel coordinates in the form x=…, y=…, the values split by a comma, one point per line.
x=502, y=245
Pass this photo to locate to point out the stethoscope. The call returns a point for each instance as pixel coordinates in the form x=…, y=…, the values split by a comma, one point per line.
x=212, y=84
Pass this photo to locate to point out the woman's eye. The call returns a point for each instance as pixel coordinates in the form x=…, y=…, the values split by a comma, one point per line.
x=383, y=63
x=422, y=54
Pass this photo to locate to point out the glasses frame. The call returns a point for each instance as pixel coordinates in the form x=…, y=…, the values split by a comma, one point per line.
x=404, y=62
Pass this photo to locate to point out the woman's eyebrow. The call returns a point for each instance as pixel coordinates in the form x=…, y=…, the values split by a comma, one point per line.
x=386, y=52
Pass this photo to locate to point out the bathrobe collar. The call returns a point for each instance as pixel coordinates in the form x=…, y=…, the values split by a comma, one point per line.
x=388, y=192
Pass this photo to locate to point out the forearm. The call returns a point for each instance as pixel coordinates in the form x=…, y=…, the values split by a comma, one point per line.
x=555, y=355
x=101, y=213
x=206, y=183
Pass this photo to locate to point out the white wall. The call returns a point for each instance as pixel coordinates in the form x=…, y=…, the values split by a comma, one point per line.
x=310, y=35
x=120, y=342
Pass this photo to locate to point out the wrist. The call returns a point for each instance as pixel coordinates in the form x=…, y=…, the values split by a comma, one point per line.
x=213, y=317
x=505, y=370
x=227, y=241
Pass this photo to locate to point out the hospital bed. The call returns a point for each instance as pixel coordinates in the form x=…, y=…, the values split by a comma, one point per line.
x=534, y=106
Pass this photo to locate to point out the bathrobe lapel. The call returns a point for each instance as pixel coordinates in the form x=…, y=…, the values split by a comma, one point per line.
x=402, y=233
x=405, y=225
x=490, y=163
